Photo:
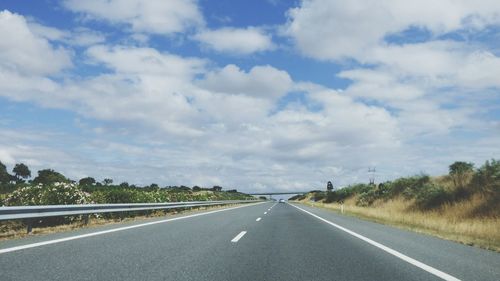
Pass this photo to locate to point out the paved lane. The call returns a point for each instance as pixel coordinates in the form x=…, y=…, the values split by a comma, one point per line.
x=292, y=245
x=260, y=242
x=465, y=262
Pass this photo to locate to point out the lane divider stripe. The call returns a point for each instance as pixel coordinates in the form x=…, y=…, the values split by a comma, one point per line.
x=238, y=237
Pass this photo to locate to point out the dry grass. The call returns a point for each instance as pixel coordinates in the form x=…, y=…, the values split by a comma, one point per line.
x=16, y=229
x=450, y=221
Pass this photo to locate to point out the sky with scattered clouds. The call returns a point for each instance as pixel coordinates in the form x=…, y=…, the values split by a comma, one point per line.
x=256, y=95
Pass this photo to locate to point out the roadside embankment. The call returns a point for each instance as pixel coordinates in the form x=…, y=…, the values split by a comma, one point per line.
x=463, y=206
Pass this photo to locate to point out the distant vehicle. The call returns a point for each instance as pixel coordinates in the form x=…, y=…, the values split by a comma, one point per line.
x=282, y=201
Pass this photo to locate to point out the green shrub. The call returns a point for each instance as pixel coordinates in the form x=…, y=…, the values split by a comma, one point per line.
x=359, y=188
x=460, y=172
x=431, y=196
x=52, y=194
x=7, y=188
x=297, y=197
x=338, y=195
x=367, y=198
x=487, y=178
x=409, y=186
x=49, y=194
x=384, y=189
x=317, y=196
x=112, y=195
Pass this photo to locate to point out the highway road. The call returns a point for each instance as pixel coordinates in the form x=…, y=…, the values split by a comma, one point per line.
x=265, y=241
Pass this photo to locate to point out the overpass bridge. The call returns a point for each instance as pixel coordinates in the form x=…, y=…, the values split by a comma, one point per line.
x=278, y=193
x=270, y=194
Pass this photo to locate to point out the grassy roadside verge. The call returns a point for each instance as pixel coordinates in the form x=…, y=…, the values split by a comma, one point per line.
x=16, y=229
x=479, y=232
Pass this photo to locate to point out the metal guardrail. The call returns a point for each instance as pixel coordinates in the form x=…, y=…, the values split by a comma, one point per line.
x=29, y=213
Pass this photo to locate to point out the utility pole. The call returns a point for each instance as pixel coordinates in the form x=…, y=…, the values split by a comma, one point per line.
x=371, y=175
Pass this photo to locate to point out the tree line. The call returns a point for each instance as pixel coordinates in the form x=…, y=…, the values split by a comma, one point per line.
x=21, y=174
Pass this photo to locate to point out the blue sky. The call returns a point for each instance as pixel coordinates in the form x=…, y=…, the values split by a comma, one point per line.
x=253, y=95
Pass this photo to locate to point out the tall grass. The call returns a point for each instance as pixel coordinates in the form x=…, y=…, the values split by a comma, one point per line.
x=466, y=210
x=450, y=221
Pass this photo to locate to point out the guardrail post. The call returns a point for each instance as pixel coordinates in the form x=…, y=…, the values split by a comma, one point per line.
x=29, y=226
x=86, y=219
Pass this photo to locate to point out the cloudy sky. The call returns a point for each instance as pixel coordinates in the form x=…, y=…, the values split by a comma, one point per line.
x=254, y=95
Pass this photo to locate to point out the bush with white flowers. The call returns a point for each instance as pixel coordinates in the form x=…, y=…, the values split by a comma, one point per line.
x=53, y=194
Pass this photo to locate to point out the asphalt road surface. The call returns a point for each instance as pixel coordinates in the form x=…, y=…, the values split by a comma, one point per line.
x=265, y=241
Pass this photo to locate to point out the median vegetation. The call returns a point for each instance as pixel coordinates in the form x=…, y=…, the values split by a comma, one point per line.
x=50, y=187
x=463, y=205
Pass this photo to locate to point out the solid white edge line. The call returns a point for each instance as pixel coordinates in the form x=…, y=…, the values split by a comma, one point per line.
x=238, y=237
x=258, y=219
x=430, y=269
x=38, y=244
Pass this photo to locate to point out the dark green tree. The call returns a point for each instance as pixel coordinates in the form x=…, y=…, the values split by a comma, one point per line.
x=5, y=177
x=87, y=181
x=196, y=188
x=21, y=172
x=184, y=188
x=124, y=184
x=107, y=181
x=460, y=171
x=487, y=179
x=217, y=188
x=49, y=176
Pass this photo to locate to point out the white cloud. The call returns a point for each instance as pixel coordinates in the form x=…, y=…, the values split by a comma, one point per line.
x=333, y=30
x=6, y=157
x=236, y=40
x=47, y=32
x=226, y=135
x=145, y=61
x=413, y=80
x=414, y=71
x=379, y=85
x=261, y=81
x=418, y=109
x=78, y=37
x=85, y=37
x=479, y=69
x=229, y=114
x=24, y=52
x=152, y=16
